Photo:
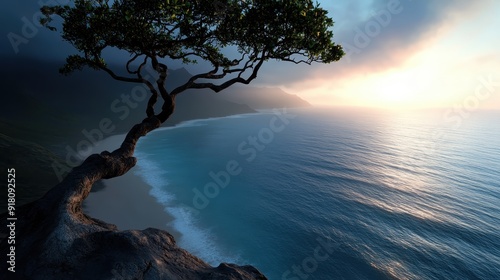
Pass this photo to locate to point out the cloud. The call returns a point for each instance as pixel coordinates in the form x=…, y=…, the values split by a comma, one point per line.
x=399, y=27
x=379, y=35
x=391, y=40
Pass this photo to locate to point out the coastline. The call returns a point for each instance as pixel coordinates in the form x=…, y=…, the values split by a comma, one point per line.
x=126, y=201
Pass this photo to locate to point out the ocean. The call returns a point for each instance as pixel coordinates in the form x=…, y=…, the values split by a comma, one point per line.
x=334, y=193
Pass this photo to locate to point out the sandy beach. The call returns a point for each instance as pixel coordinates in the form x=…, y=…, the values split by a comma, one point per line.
x=125, y=201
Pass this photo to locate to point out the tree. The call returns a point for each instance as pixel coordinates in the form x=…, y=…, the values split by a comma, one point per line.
x=151, y=31
x=57, y=238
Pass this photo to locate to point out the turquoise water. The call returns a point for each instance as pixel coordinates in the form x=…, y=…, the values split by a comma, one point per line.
x=334, y=194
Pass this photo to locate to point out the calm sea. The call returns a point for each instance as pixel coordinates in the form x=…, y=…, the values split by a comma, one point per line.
x=335, y=193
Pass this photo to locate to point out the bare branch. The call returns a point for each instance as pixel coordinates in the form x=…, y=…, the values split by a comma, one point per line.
x=210, y=75
x=150, y=111
x=162, y=72
x=117, y=77
x=139, y=68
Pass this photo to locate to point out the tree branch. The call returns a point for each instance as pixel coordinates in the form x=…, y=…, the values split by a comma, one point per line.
x=162, y=72
x=140, y=66
x=114, y=76
x=210, y=75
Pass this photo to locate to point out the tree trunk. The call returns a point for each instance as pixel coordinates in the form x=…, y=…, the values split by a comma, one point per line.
x=56, y=240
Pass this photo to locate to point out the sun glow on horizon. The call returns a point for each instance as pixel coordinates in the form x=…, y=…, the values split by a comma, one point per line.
x=448, y=68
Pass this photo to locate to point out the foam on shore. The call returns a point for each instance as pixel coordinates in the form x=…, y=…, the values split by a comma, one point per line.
x=200, y=242
x=126, y=200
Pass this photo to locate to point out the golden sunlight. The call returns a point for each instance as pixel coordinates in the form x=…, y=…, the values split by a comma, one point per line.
x=395, y=89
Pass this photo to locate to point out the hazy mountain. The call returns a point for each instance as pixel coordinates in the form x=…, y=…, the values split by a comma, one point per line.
x=263, y=97
x=42, y=106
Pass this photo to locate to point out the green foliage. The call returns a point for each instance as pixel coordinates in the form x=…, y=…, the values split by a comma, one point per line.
x=290, y=30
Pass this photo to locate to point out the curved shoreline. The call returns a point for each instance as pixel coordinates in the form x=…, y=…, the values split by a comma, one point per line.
x=126, y=201
x=134, y=207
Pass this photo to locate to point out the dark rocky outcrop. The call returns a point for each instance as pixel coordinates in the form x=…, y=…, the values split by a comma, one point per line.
x=54, y=239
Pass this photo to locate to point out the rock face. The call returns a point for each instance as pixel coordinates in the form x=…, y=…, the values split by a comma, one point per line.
x=55, y=240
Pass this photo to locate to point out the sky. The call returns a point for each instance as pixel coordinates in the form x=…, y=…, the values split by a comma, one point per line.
x=401, y=54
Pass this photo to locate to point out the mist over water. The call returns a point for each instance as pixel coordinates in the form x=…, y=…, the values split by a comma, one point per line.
x=334, y=194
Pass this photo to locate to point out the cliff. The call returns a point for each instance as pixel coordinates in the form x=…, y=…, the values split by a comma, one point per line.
x=54, y=239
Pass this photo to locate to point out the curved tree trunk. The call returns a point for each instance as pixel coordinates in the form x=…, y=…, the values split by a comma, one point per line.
x=56, y=240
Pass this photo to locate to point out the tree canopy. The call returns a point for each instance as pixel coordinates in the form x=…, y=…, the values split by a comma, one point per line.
x=297, y=31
